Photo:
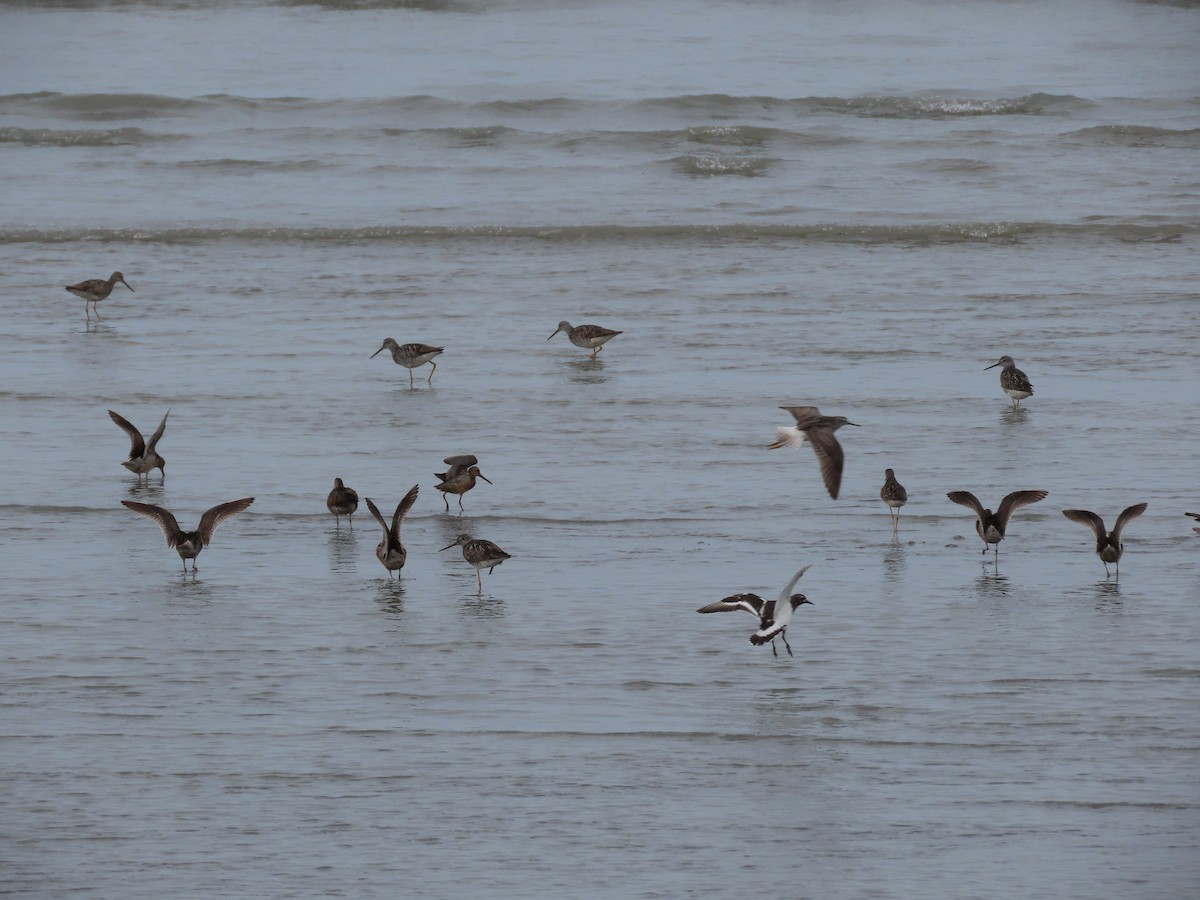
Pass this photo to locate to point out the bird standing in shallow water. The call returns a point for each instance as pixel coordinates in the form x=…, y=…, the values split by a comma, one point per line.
x=143, y=458
x=96, y=289
x=991, y=526
x=813, y=428
x=1013, y=381
x=390, y=551
x=342, y=501
x=479, y=553
x=1108, y=544
x=894, y=495
x=189, y=543
x=459, y=478
x=590, y=337
x=773, y=615
x=410, y=356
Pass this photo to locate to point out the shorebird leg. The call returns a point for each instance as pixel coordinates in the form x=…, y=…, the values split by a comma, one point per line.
x=411, y=383
x=446, y=498
x=479, y=578
x=350, y=519
x=783, y=637
x=429, y=380
x=460, y=506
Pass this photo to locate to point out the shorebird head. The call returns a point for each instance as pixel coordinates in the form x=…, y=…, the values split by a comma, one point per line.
x=564, y=325
x=388, y=344
x=839, y=421
x=458, y=541
x=337, y=483
x=889, y=473
x=117, y=276
x=474, y=471
x=1005, y=361
x=799, y=599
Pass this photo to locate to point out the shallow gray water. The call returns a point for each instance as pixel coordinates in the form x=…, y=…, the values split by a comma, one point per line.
x=859, y=208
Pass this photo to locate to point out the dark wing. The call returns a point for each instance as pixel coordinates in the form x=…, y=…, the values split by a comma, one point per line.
x=485, y=550
x=803, y=414
x=402, y=510
x=967, y=499
x=1090, y=519
x=91, y=286
x=751, y=603
x=1016, y=380
x=1014, y=501
x=218, y=514
x=1195, y=516
x=137, y=445
x=378, y=517
x=590, y=332
x=1125, y=518
x=158, y=432
x=419, y=349
x=165, y=520
x=830, y=455
x=458, y=465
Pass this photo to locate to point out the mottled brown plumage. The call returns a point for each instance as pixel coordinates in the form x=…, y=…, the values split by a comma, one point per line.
x=410, y=356
x=342, y=501
x=96, y=289
x=590, y=337
x=816, y=430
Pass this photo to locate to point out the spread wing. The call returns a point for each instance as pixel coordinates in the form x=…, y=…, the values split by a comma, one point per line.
x=137, y=445
x=786, y=592
x=458, y=465
x=830, y=455
x=1014, y=501
x=803, y=414
x=165, y=520
x=967, y=499
x=751, y=603
x=1125, y=518
x=402, y=510
x=158, y=432
x=378, y=517
x=218, y=514
x=1090, y=519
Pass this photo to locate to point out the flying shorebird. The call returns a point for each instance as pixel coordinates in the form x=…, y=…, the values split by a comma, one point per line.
x=590, y=337
x=94, y=290
x=342, y=501
x=189, y=543
x=143, y=458
x=1013, y=381
x=894, y=495
x=991, y=526
x=1108, y=545
x=773, y=615
x=813, y=428
x=459, y=478
x=479, y=553
x=1195, y=516
x=390, y=551
x=410, y=356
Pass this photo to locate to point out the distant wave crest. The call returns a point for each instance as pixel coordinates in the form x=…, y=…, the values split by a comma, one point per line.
x=709, y=106
x=918, y=234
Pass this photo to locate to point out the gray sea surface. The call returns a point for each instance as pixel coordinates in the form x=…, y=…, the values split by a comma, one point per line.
x=858, y=206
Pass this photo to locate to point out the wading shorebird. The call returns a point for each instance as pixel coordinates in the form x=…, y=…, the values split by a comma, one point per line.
x=1013, y=381
x=459, y=478
x=94, y=290
x=410, y=356
x=894, y=495
x=189, y=543
x=813, y=428
x=773, y=615
x=479, y=553
x=342, y=501
x=991, y=526
x=1108, y=544
x=143, y=458
x=390, y=551
x=590, y=337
